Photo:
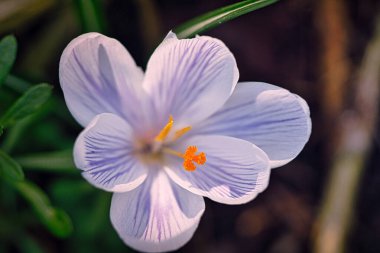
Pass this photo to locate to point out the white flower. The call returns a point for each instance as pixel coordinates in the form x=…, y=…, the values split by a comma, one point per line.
x=182, y=131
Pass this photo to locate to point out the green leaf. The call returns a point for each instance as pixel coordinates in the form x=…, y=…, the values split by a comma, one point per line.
x=91, y=15
x=219, y=16
x=27, y=104
x=60, y=161
x=8, y=50
x=28, y=244
x=17, y=84
x=9, y=168
x=56, y=220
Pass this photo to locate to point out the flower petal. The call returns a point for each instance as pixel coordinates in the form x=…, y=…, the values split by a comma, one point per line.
x=189, y=79
x=104, y=152
x=157, y=216
x=272, y=118
x=169, y=37
x=234, y=173
x=98, y=75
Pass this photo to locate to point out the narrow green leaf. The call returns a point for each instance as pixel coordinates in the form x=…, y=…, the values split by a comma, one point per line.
x=91, y=16
x=17, y=84
x=9, y=168
x=14, y=135
x=27, y=104
x=61, y=161
x=8, y=50
x=56, y=220
x=28, y=244
x=219, y=16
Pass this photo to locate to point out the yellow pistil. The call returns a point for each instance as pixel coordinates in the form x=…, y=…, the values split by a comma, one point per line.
x=165, y=131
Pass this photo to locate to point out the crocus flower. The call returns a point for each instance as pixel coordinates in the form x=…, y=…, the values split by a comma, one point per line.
x=184, y=130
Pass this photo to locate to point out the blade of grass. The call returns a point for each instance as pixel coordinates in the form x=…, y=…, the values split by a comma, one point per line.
x=91, y=15
x=60, y=161
x=27, y=104
x=219, y=16
x=9, y=168
x=56, y=220
x=17, y=84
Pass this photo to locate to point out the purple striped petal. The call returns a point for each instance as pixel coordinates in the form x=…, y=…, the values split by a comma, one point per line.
x=234, y=173
x=158, y=216
x=268, y=116
x=98, y=75
x=189, y=79
x=104, y=151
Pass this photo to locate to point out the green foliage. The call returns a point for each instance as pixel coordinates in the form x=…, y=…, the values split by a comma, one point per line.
x=9, y=168
x=17, y=84
x=27, y=104
x=56, y=220
x=59, y=161
x=8, y=50
x=219, y=16
x=90, y=15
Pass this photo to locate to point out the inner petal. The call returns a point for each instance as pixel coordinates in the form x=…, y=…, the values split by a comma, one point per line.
x=234, y=173
x=105, y=152
x=190, y=79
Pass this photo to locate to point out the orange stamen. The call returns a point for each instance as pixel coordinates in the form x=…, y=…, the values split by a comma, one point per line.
x=190, y=157
x=181, y=132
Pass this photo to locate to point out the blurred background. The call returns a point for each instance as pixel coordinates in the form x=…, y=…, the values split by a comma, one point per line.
x=327, y=51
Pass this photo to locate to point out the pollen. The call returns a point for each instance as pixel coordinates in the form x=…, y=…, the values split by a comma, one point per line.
x=190, y=158
x=165, y=130
x=181, y=132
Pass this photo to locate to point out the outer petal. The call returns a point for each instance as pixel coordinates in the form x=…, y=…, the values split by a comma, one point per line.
x=274, y=119
x=169, y=37
x=98, y=75
x=189, y=79
x=157, y=216
x=104, y=152
x=234, y=173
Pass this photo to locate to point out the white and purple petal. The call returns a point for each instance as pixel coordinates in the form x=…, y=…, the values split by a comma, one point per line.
x=268, y=116
x=105, y=153
x=157, y=216
x=98, y=75
x=234, y=173
x=189, y=79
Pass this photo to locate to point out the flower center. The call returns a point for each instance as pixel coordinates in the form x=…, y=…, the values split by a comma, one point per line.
x=190, y=156
x=165, y=131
